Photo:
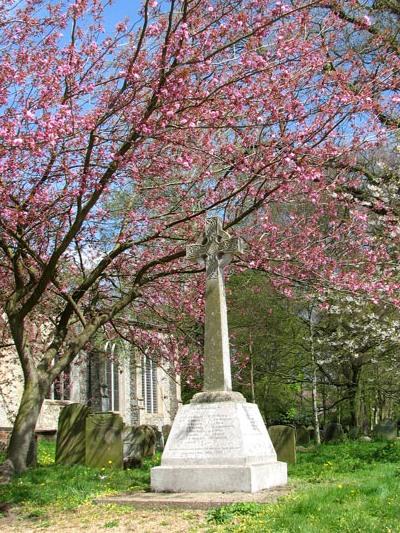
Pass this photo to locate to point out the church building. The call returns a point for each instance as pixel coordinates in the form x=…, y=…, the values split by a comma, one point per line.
x=118, y=378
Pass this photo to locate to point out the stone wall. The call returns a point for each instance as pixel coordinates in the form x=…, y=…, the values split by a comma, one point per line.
x=4, y=438
x=11, y=386
x=85, y=388
x=48, y=418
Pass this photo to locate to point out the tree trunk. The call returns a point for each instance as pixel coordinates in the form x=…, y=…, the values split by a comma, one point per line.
x=352, y=390
x=324, y=406
x=317, y=433
x=314, y=390
x=24, y=425
x=253, y=393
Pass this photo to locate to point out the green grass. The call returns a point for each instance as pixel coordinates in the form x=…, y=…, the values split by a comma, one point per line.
x=52, y=487
x=351, y=487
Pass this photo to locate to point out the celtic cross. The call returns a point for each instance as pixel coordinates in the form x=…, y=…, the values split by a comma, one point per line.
x=215, y=250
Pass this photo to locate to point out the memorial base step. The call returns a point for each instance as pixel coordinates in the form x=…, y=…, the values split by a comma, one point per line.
x=218, y=478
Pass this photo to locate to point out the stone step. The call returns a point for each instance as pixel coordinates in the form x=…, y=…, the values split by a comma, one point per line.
x=193, y=500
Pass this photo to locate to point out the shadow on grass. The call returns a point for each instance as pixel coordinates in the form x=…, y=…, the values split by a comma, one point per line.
x=67, y=487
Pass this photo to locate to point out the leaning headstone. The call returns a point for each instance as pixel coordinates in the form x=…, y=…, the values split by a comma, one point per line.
x=31, y=459
x=138, y=442
x=70, y=445
x=386, y=430
x=165, y=430
x=333, y=432
x=311, y=432
x=354, y=433
x=302, y=436
x=103, y=437
x=6, y=472
x=284, y=440
x=159, y=438
x=364, y=438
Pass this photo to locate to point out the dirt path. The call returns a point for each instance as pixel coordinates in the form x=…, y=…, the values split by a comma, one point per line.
x=93, y=518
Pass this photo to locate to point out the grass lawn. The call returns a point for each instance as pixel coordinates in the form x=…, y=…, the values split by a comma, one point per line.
x=350, y=487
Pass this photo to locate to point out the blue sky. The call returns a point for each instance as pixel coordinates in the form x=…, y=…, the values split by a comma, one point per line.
x=121, y=9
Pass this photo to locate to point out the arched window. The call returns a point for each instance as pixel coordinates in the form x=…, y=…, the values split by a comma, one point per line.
x=110, y=386
x=61, y=387
x=111, y=379
x=149, y=384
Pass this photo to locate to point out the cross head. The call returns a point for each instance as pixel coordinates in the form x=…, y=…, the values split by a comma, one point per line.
x=216, y=247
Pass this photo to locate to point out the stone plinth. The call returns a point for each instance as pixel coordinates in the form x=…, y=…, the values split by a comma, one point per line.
x=219, y=446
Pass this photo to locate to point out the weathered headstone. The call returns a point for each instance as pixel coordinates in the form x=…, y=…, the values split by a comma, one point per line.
x=302, y=436
x=104, y=440
x=159, y=439
x=70, y=444
x=138, y=442
x=386, y=430
x=333, y=432
x=354, y=433
x=6, y=472
x=284, y=441
x=166, y=430
x=31, y=459
x=311, y=432
x=218, y=442
x=365, y=438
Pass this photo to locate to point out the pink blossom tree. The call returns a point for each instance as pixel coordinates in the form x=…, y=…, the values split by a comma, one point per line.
x=116, y=146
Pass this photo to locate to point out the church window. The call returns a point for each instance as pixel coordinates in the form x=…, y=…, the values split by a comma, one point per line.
x=112, y=382
x=149, y=384
x=61, y=387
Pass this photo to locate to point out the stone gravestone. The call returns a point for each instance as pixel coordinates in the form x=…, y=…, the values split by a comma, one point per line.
x=32, y=457
x=386, y=430
x=159, y=439
x=311, y=432
x=333, y=432
x=70, y=444
x=302, y=436
x=7, y=472
x=104, y=440
x=284, y=441
x=218, y=442
x=138, y=442
x=166, y=430
x=354, y=433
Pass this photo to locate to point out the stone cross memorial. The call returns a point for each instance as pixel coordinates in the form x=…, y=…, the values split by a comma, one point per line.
x=215, y=251
x=218, y=442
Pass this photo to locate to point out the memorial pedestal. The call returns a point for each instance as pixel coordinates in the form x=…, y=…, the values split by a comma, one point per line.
x=218, y=447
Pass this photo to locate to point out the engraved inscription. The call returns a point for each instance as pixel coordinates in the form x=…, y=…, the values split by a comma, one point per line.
x=255, y=426
x=204, y=435
x=214, y=431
